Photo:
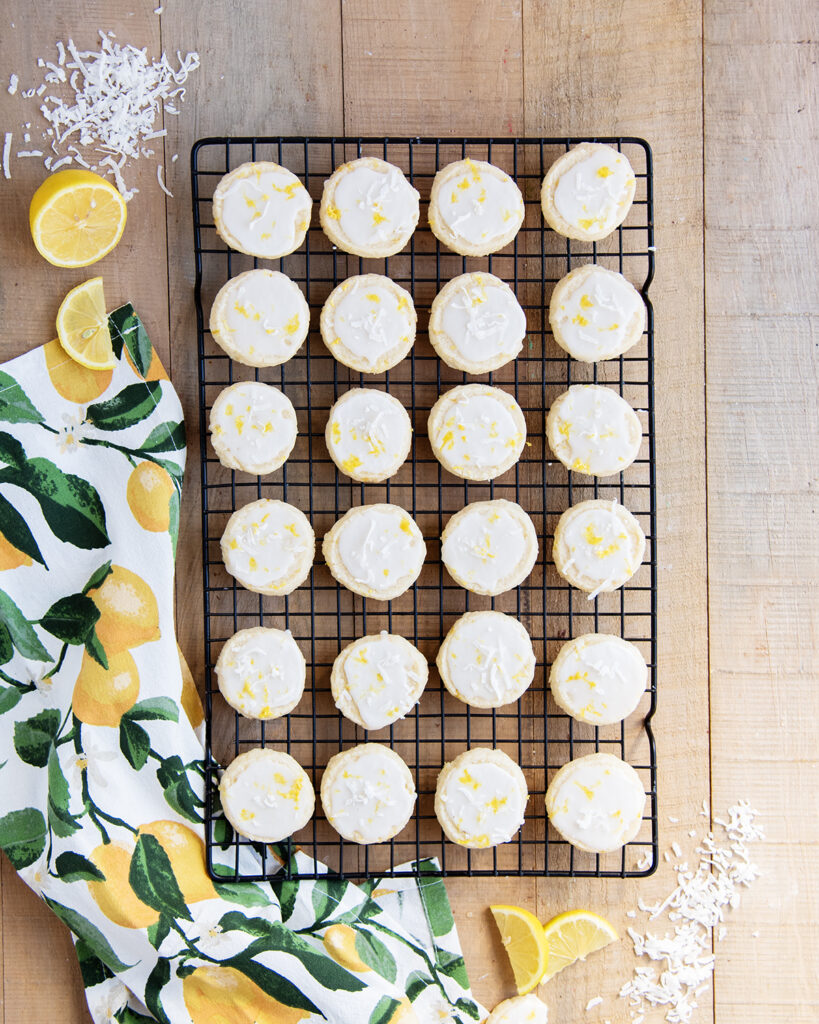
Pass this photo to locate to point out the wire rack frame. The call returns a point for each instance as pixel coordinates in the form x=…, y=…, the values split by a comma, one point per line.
x=324, y=617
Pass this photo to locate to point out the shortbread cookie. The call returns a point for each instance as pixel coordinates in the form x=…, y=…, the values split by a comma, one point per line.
x=476, y=431
x=252, y=427
x=368, y=323
x=475, y=208
x=261, y=672
x=476, y=323
x=588, y=192
x=375, y=550
x=378, y=679
x=368, y=793
x=266, y=795
x=369, y=208
x=598, y=546
x=489, y=546
x=262, y=209
x=487, y=659
x=368, y=434
x=260, y=318
x=520, y=1010
x=480, y=798
x=598, y=678
x=596, y=314
x=591, y=429
x=269, y=546
x=596, y=802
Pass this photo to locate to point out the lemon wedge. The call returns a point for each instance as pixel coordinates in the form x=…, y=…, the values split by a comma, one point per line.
x=525, y=945
x=82, y=326
x=572, y=936
x=76, y=218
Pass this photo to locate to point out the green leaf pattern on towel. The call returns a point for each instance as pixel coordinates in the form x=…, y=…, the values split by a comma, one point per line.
x=103, y=793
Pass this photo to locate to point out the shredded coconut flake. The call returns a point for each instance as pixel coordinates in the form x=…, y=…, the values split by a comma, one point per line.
x=590, y=1005
x=162, y=184
x=6, y=151
x=699, y=903
x=14, y=81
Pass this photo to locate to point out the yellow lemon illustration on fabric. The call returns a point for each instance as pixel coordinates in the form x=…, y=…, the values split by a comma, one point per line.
x=128, y=611
x=404, y=1014
x=103, y=695
x=115, y=897
x=190, y=700
x=186, y=852
x=149, y=494
x=10, y=556
x=223, y=995
x=71, y=381
x=156, y=371
x=339, y=941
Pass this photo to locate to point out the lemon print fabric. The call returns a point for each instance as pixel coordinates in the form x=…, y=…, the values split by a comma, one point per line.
x=102, y=799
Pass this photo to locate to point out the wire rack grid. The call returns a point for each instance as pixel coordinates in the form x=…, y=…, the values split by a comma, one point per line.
x=324, y=617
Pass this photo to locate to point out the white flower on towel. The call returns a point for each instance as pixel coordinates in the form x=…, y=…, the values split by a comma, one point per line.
x=71, y=434
x=106, y=1000
x=92, y=760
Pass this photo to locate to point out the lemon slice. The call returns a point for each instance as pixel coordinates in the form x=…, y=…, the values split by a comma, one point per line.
x=82, y=326
x=572, y=936
x=76, y=218
x=523, y=940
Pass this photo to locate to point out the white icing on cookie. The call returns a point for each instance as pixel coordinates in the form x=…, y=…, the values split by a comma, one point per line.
x=379, y=545
x=483, y=801
x=598, y=678
x=374, y=204
x=594, y=320
x=261, y=672
x=482, y=317
x=371, y=316
x=368, y=793
x=368, y=434
x=253, y=427
x=266, y=543
x=591, y=429
x=477, y=431
x=263, y=207
x=266, y=795
x=487, y=544
x=592, y=194
x=479, y=205
x=598, y=542
x=487, y=659
x=260, y=317
x=520, y=1010
x=378, y=679
x=596, y=802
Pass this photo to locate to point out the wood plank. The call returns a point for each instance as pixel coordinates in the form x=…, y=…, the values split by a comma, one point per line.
x=634, y=68
x=763, y=425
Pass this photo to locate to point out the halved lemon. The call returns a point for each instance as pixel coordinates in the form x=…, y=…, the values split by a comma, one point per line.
x=76, y=218
x=572, y=936
x=525, y=945
x=82, y=326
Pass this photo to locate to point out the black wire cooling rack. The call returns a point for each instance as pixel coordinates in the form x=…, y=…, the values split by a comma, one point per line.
x=324, y=617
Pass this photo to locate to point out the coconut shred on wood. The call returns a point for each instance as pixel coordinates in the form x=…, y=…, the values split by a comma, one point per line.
x=102, y=106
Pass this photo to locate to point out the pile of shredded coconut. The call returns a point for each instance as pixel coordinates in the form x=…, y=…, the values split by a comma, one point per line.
x=699, y=903
x=102, y=106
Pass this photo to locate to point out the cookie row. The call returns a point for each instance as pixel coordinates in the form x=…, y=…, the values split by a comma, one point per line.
x=368, y=795
x=369, y=209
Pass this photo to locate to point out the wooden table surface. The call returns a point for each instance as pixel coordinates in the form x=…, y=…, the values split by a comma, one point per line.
x=726, y=92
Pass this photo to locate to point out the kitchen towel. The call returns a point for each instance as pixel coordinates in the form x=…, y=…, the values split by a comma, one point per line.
x=101, y=778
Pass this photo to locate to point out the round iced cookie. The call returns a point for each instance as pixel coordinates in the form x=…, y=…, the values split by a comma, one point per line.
x=369, y=208
x=269, y=546
x=476, y=431
x=591, y=429
x=266, y=795
x=476, y=323
x=252, y=427
x=375, y=550
x=376, y=680
x=260, y=318
x=480, y=798
x=367, y=793
x=489, y=546
x=368, y=323
x=596, y=802
x=596, y=314
x=262, y=209
x=598, y=545
x=368, y=434
x=520, y=1010
x=588, y=192
x=260, y=672
x=598, y=678
x=475, y=208
x=486, y=659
